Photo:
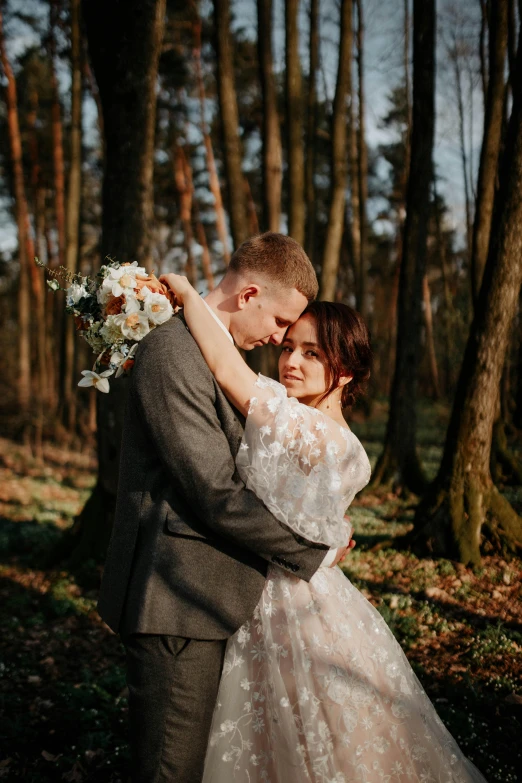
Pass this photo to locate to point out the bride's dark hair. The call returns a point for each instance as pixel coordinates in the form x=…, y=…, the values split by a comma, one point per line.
x=344, y=340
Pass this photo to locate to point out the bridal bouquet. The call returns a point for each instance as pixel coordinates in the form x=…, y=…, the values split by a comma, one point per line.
x=113, y=312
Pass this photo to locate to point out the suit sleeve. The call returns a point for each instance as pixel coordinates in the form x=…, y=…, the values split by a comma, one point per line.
x=175, y=394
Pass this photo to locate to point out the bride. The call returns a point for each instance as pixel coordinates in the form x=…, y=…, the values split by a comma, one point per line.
x=315, y=686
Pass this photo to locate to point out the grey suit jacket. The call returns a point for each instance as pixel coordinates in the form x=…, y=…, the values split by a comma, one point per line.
x=190, y=544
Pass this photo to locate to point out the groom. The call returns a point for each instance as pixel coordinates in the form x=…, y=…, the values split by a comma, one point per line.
x=190, y=547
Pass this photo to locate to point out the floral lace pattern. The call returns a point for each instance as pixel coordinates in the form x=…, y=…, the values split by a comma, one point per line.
x=304, y=466
x=315, y=687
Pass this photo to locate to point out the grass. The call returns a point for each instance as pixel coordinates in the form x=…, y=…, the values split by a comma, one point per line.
x=63, y=713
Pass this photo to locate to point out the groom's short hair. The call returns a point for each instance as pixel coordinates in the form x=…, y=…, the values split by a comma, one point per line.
x=280, y=259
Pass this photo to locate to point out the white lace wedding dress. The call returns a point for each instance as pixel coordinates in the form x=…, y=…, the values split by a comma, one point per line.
x=315, y=687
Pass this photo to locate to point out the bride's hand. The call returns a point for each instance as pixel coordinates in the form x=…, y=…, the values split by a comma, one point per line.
x=179, y=285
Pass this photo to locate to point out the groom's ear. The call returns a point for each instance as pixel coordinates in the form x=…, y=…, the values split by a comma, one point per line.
x=246, y=294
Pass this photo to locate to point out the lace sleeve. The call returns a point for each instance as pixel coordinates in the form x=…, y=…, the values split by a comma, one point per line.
x=303, y=465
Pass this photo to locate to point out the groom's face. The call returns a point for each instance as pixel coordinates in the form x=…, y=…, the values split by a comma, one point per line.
x=264, y=315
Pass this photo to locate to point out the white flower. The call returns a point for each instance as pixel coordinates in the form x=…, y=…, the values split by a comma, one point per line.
x=133, y=322
x=339, y=687
x=243, y=636
x=303, y=696
x=118, y=358
x=54, y=285
x=74, y=293
x=380, y=744
x=392, y=670
x=269, y=608
x=350, y=718
x=111, y=331
x=334, y=483
x=120, y=280
x=309, y=437
x=99, y=381
x=157, y=307
x=273, y=404
x=400, y=709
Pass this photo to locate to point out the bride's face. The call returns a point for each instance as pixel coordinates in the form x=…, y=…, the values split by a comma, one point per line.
x=301, y=367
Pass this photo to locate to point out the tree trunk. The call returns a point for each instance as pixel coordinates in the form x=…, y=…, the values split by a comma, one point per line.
x=362, y=158
x=482, y=48
x=124, y=53
x=230, y=124
x=311, y=132
x=40, y=378
x=335, y=227
x=215, y=188
x=401, y=206
x=51, y=322
x=184, y=186
x=490, y=143
x=95, y=94
x=511, y=40
x=354, y=227
x=206, y=261
x=517, y=411
x=253, y=223
x=73, y=207
x=430, y=343
x=399, y=461
x=504, y=464
x=463, y=497
x=57, y=134
x=449, y=307
x=271, y=134
x=462, y=136
x=59, y=203
x=22, y=216
x=294, y=125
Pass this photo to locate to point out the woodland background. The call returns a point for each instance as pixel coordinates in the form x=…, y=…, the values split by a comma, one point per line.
x=386, y=137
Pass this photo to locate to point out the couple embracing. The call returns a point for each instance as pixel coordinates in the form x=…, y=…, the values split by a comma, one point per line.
x=250, y=656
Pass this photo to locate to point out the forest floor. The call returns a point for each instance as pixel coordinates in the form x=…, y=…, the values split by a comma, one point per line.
x=62, y=685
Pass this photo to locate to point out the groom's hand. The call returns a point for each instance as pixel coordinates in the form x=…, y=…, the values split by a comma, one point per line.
x=344, y=550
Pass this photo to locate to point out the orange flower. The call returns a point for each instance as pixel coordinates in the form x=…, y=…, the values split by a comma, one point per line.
x=128, y=364
x=115, y=305
x=154, y=285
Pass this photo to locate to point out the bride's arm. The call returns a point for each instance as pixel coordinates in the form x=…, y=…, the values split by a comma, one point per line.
x=231, y=372
x=224, y=360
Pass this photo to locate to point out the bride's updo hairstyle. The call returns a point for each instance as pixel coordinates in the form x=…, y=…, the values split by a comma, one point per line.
x=344, y=341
